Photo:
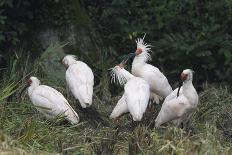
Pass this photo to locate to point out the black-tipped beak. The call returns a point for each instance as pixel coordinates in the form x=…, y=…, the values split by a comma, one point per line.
x=180, y=84
x=61, y=60
x=129, y=56
x=23, y=90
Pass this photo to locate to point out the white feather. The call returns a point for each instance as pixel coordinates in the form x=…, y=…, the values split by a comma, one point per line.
x=158, y=82
x=120, y=75
x=50, y=102
x=146, y=49
x=120, y=108
x=80, y=80
x=178, y=109
x=136, y=94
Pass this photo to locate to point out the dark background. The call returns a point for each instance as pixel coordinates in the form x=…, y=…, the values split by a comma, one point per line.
x=192, y=34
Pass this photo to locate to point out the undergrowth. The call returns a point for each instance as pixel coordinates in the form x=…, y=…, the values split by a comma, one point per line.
x=23, y=130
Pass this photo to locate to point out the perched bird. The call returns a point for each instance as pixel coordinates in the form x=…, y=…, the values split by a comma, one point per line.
x=136, y=94
x=180, y=103
x=80, y=80
x=49, y=101
x=159, y=85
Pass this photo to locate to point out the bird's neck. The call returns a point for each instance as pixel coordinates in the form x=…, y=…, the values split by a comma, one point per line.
x=138, y=61
x=190, y=92
x=71, y=62
x=127, y=75
x=31, y=88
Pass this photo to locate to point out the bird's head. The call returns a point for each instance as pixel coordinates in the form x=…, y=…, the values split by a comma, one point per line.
x=33, y=81
x=30, y=81
x=143, y=50
x=117, y=73
x=68, y=60
x=186, y=75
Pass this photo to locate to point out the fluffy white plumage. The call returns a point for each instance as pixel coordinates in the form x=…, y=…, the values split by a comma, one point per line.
x=136, y=94
x=80, y=80
x=177, y=109
x=158, y=82
x=50, y=102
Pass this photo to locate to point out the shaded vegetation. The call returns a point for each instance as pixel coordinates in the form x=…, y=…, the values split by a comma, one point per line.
x=196, y=31
x=183, y=34
x=209, y=131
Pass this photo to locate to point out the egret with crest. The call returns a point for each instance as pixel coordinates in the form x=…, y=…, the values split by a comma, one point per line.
x=159, y=85
x=136, y=94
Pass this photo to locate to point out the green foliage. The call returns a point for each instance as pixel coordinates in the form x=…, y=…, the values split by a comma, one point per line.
x=183, y=34
x=7, y=91
x=22, y=20
x=26, y=130
x=209, y=130
x=50, y=63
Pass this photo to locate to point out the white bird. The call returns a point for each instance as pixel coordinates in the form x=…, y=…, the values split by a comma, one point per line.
x=50, y=102
x=80, y=80
x=136, y=94
x=159, y=85
x=178, y=106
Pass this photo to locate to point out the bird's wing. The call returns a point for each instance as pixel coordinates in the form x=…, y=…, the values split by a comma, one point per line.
x=156, y=79
x=48, y=100
x=173, y=94
x=120, y=108
x=81, y=73
x=80, y=80
x=172, y=109
x=137, y=93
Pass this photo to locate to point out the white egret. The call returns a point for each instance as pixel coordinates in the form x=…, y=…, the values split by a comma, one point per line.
x=80, y=80
x=136, y=94
x=159, y=85
x=179, y=104
x=49, y=101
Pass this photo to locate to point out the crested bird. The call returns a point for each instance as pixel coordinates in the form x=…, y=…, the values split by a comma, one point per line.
x=159, y=85
x=179, y=104
x=49, y=101
x=80, y=80
x=136, y=94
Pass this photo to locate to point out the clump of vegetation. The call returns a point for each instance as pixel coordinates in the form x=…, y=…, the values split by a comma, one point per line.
x=25, y=130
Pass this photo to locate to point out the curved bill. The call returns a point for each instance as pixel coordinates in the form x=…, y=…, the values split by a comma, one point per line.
x=130, y=55
x=23, y=90
x=180, y=84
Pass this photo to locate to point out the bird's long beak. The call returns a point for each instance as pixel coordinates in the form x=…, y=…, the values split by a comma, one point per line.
x=130, y=55
x=180, y=84
x=25, y=87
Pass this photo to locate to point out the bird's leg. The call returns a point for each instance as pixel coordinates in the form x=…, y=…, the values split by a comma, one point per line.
x=117, y=119
x=135, y=124
x=149, y=107
x=79, y=106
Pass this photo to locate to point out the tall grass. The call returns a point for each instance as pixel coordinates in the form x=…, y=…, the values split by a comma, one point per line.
x=24, y=130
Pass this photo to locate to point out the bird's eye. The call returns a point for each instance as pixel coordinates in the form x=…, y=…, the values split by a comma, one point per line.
x=183, y=76
x=138, y=51
x=29, y=81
